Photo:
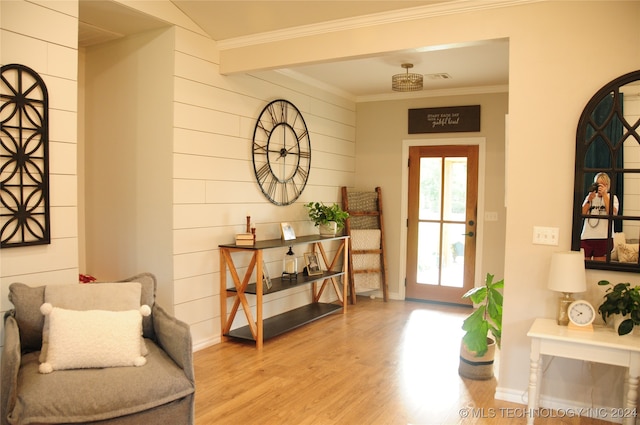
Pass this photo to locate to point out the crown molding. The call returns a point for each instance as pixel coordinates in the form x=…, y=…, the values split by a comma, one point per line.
x=462, y=91
x=402, y=15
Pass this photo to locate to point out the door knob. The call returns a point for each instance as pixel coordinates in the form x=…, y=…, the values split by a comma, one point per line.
x=470, y=234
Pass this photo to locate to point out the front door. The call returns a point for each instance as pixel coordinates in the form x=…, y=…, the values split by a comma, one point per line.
x=441, y=236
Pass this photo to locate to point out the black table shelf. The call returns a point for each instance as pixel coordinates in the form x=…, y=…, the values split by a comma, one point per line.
x=279, y=243
x=258, y=329
x=285, y=322
x=282, y=284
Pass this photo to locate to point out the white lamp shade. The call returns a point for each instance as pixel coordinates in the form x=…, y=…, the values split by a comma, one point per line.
x=567, y=272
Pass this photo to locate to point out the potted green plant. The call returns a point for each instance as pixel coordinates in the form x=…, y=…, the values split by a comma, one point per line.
x=477, y=350
x=330, y=219
x=622, y=301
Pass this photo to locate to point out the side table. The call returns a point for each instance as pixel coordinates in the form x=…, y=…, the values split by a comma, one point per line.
x=603, y=345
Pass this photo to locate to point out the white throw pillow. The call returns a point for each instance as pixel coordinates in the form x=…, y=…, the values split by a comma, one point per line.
x=117, y=296
x=628, y=253
x=618, y=239
x=93, y=338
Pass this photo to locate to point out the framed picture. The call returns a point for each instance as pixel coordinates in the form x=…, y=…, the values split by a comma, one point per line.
x=266, y=280
x=287, y=231
x=312, y=263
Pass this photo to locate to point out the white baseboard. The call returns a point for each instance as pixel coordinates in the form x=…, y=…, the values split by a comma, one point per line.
x=201, y=345
x=563, y=408
x=377, y=293
x=511, y=395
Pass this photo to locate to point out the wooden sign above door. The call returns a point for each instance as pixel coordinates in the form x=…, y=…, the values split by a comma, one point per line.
x=452, y=119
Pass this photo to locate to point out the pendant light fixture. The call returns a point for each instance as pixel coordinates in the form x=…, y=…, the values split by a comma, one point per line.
x=407, y=81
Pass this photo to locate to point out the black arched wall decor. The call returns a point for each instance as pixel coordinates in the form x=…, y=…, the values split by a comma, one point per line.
x=24, y=158
x=608, y=140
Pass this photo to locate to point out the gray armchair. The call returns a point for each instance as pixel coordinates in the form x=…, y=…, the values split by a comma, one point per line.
x=161, y=391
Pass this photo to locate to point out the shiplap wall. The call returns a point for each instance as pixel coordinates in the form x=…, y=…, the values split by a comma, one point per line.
x=214, y=187
x=44, y=37
x=214, y=184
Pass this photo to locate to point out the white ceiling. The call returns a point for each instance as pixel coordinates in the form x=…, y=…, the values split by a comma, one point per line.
x=473, y=66
x=224, y=20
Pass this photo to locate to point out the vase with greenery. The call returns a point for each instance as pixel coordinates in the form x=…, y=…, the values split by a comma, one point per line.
x=624, y=300
x=322, y=214
x=487, y=317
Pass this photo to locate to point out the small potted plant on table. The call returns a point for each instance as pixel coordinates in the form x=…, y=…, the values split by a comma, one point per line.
x=622, y=304
x=329, y=219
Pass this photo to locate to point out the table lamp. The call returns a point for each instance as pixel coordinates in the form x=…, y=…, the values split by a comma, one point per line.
x=567, y=275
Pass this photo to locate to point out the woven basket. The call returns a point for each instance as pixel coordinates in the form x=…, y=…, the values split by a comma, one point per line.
x=363, y=202
x=478, y=368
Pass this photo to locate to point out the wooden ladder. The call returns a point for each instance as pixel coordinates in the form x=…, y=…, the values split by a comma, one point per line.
x=365, y=213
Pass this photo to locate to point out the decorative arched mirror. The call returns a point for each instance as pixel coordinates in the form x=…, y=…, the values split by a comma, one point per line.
x=606, y=203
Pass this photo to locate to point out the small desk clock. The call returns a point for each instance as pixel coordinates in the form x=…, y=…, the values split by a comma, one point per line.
x=581, y=315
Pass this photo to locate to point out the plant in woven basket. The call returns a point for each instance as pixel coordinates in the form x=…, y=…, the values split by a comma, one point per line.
x=487, y=317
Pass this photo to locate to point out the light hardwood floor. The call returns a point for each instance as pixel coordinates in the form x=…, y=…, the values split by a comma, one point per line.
x=382, y=363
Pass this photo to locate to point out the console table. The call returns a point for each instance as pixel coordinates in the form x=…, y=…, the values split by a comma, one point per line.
x=259, y=329
x=603, y=345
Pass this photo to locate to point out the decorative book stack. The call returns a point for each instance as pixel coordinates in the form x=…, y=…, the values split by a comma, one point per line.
x=244, y=239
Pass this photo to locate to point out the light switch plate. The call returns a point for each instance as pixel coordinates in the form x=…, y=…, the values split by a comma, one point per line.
x=545, y=235
x=491, y=216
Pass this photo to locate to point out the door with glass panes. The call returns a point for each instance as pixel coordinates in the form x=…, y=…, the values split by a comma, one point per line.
x=441, y=236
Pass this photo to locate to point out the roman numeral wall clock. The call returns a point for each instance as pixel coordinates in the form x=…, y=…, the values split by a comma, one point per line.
x=281, y=152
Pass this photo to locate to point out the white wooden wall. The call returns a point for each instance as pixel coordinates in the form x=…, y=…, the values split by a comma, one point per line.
x=44, y=37
x=214, y=187
x=214, y=183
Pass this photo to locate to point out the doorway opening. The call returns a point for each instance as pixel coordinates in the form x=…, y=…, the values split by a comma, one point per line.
x=442, y=205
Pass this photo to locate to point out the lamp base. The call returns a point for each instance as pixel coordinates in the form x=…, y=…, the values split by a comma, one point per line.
x=563, y=307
